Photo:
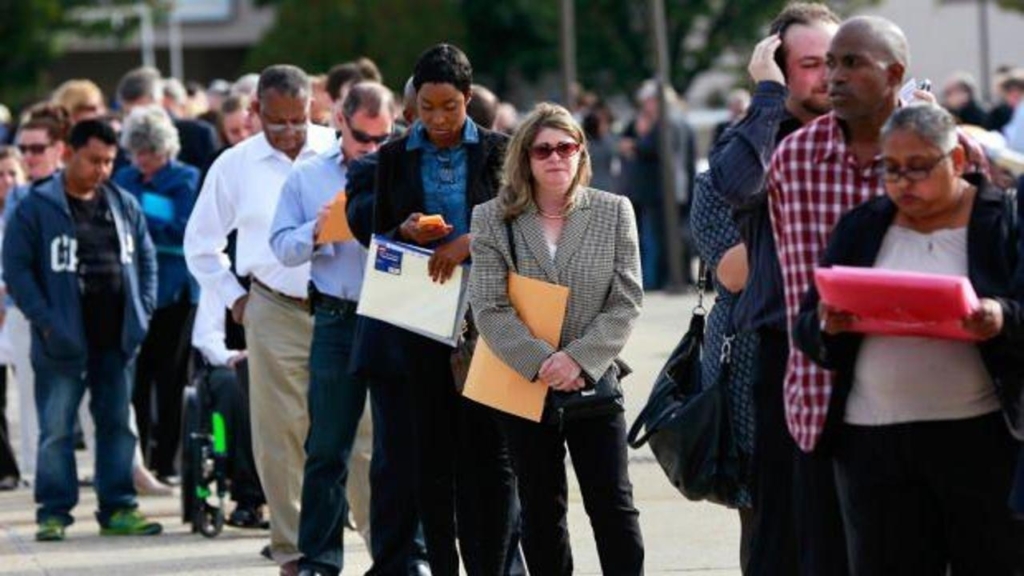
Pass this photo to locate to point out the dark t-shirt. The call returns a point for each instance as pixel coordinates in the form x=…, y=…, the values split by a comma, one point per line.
x=99, y=271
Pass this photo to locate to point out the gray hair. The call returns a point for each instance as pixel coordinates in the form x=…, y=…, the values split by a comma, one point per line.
x=175, y=90
x=149, y=128
x=372, y=97
x=246, y=85
x=140, y=83
x=928, y=121
x=286, y=80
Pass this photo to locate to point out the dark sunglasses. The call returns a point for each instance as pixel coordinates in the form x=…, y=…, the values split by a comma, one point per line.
x=364, y=138
x=564, y=150
x=32, y=149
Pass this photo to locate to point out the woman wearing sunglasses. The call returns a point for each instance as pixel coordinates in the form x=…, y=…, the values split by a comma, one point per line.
x=564, y=233
x=923, y=457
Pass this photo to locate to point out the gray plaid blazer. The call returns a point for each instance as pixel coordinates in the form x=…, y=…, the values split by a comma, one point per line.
x=597, y=258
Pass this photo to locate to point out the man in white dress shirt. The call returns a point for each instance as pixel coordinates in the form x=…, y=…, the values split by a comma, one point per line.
x=241, y=193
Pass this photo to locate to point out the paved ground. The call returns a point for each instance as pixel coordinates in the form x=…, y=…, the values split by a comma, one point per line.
x=681, y=537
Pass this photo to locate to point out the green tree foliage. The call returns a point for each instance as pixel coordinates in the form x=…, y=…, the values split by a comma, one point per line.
x=614, y=39
x=29, y=42
x=316, y=34
x=1017, y=5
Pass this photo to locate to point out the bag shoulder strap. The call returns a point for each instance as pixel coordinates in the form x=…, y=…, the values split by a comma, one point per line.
x=512, y=245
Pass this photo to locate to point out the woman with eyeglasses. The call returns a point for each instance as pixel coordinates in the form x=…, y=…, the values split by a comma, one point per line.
x=924, y=460
x=565, y=233
x=41, y=140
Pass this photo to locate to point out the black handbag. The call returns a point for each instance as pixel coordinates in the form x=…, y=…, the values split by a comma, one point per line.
x=462, y=355
x=600, y=398
x=689, y=428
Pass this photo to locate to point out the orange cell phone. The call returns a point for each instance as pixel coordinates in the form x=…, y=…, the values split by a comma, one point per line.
x=431, y=221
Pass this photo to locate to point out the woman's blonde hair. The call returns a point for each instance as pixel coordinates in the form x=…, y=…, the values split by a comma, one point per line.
x=516, y=192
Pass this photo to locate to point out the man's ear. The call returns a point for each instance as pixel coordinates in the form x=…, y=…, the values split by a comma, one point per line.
x=254, y=106
x=895, y=71
x=66, y=152
x=959, y=157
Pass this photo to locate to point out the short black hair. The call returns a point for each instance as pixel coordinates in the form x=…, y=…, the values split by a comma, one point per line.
x=86, y=130
x=340, y=75
x=443, y=64
x=285, y=79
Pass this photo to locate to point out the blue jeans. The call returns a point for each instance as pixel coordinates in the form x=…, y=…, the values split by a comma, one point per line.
x=108, y=377
x=336, y=401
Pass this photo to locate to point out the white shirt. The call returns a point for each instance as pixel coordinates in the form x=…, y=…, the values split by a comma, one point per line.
x=209, y=330
x=240, y=193
x=899, y=379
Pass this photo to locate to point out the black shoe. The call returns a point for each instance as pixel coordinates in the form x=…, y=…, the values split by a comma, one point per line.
x=265, y=552
x=308, y=568
x=248, y=517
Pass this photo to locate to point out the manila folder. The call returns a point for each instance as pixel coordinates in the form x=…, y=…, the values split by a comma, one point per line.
x=541, y=306
x=335, y=228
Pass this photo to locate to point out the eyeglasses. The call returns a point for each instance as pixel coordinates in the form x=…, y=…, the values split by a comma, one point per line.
x=281, y=127
x=545, y=150
x=364, y=138
x=914, y=174
x=32, y=149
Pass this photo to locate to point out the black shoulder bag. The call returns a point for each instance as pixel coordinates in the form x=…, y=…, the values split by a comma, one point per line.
x=689, y=428
x=600, y=398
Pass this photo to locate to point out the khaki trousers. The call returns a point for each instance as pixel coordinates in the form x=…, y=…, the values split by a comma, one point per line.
x=278, y=335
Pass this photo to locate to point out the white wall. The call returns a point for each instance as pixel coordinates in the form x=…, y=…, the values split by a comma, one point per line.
x=945, y=37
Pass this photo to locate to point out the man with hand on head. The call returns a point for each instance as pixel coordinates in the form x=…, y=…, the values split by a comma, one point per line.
x=789, y=69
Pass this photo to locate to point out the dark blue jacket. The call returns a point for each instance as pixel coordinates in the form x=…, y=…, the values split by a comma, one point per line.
x=41, y=272
x=167, y=201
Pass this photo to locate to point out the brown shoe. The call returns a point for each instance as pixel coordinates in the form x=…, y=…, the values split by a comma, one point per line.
x=290, y=568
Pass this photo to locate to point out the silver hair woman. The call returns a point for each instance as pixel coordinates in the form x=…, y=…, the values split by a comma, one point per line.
x=150, y=138
x=922, y=451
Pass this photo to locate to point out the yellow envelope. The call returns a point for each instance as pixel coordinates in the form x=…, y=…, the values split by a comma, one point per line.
x=541, y=306
x=335, y=228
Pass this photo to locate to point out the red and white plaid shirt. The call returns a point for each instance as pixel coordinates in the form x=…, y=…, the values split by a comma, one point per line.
x=813, y=180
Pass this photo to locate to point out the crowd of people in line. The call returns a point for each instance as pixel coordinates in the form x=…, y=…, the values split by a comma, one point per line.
x=180, y=235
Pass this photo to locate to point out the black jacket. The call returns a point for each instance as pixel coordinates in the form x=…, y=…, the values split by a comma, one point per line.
x=400, y=185
x=991, y=267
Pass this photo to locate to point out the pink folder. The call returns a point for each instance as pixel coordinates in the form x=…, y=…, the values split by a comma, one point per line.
x=899, y=303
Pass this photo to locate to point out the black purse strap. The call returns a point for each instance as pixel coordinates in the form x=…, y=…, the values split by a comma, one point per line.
x=512, y=246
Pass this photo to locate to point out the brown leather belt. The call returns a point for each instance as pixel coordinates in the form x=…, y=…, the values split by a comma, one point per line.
x=300, y=302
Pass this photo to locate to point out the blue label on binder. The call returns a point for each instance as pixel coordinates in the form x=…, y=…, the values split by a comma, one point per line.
x=388, y=260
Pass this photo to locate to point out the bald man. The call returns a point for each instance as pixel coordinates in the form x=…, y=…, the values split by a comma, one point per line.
x=829, y=166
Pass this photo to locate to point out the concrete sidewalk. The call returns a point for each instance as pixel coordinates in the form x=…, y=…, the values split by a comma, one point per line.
x=681, y=537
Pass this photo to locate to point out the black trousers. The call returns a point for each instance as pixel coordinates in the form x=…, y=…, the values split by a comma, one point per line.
x=464, y=484
x=820, y=532
x=928, y=498
x=161, y=374
x=8, y=465
x=599, y=457
x=768, y=533
x=395, y=539
x=229, y=391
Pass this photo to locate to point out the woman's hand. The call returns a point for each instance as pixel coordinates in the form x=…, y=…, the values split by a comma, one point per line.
x=986, y=321
x=834, y=320
x=410, y=230
x=442, y=264
x=561, y=373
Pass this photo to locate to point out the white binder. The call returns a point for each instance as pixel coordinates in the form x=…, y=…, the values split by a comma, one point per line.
x=397, y=289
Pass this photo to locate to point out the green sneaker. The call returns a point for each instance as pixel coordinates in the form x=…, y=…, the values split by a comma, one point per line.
x=129, y=522
x=51, y=530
